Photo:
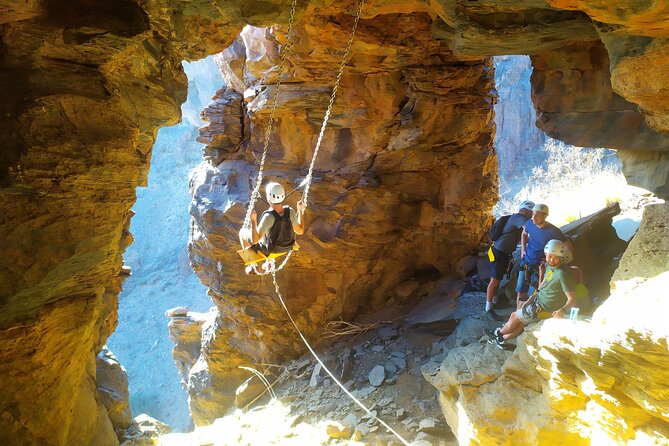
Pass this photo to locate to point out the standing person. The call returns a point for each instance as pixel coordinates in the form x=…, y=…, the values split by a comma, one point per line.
x=501, y=253
x=555, y=298
x=536, y=233
x=277, y=228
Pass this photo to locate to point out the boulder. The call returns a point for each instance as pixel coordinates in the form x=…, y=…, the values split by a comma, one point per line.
x=112, y=381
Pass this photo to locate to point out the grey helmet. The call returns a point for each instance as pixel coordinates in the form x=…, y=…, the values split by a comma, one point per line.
x=527, y=205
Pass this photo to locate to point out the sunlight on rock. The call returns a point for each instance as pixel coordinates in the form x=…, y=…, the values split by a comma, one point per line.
x=266, y=425
x=600, y=382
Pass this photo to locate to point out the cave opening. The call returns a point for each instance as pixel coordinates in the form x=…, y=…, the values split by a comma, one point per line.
x=534, y=166
x=574, y=182
x=522, y=151
x=162, y=278
x=89, y=85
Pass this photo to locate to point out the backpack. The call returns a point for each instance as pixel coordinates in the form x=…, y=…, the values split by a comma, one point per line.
x=281, y=236
x=497, y=228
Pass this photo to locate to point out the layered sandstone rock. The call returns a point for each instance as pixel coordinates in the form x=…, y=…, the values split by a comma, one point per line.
x=85, y=88
x=599, y=68
x=87, y=85
x=112, y=381
x=575, y=103
x=635, y=36
x=598, y=382
x=186, y=332
x=404, y=180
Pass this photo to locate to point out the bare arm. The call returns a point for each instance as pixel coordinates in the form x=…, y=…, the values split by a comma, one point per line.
x=299, y=227
x=255, y=237
x=524, y=238
x=571, y=301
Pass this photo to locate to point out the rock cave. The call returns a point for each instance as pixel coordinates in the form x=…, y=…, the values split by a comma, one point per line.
x=402, y=193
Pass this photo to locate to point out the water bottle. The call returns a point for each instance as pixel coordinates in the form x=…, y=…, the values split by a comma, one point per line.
x=573, y=314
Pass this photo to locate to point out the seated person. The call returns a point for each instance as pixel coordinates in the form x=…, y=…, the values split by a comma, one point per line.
x=277, y=228
x=536, y=234
x=555, y=296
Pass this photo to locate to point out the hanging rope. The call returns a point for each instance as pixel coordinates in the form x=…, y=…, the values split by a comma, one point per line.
x=256, y=190
x=305, y=195
x=313, y=353
x=307, y=181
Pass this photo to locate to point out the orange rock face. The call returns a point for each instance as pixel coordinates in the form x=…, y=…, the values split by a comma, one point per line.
x=649, y=18
x=575, y=102
x=84, y=91
x=405, y=178
x=404, y=181
x=635, y=35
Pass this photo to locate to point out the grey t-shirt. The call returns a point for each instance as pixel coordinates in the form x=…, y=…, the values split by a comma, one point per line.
x=508, y=242
x=267, y=221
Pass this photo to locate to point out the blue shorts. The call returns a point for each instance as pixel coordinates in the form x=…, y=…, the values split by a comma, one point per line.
x=501, y=263
x=527, y=277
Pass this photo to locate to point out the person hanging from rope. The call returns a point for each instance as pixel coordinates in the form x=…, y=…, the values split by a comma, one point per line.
x=275, y=234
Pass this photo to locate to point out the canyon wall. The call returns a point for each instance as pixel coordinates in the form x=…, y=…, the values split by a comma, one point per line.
x=403, y=183
x=86, y=86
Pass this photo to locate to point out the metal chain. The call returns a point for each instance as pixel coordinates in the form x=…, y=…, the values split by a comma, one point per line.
x=309, y=177
x=305, y=196
x=256, y=190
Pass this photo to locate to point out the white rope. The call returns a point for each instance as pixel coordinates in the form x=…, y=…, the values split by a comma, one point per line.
x=256, y=190
x=313, y=353
x=309, y=177
x=305, y=197
x=285, y=260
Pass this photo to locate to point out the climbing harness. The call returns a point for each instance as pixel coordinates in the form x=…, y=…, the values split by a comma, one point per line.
x=247, y=254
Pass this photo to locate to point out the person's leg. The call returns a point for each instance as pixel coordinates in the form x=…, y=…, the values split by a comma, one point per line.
x=518, y=320
x=498, y=268
x=511, y=326
x=245, y=237
x=491, y=291
x=515, y=333
x=521, y=288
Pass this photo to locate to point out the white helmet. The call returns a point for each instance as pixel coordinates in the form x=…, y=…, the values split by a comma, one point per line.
x=527, y=205
x=558, y=248
x=275, y=193
x=540, y=208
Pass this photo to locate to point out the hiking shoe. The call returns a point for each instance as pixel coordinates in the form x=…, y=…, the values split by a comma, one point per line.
x=491, y=315
x=250, y=269
x=492, y=334
x=501, y=343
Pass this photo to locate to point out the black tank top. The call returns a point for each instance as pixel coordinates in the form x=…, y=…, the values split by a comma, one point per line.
x=281, y=236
